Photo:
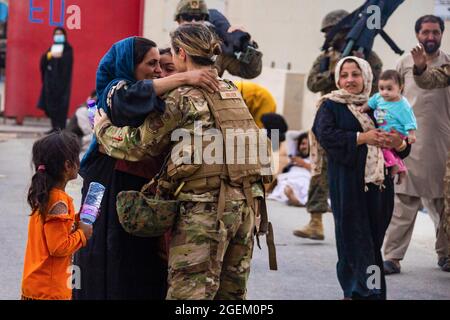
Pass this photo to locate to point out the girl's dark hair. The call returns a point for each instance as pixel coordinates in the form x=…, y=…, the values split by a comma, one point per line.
x=164, y=51
x=430, y=19
x=49, y=157
x=392, y=75
x=141, y=47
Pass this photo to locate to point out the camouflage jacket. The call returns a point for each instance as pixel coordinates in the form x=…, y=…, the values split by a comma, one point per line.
x=324, y=82
x=433, y=78
x=184, y=106
x=238, y=68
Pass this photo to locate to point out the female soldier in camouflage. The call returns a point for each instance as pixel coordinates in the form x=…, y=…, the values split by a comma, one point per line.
x=212, y=240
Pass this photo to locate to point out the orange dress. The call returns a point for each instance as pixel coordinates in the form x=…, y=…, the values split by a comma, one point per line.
x=49, y=250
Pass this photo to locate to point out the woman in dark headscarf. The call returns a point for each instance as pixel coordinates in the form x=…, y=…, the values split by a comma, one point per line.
x=115, y=264
x=361, y=187
x=56, y=71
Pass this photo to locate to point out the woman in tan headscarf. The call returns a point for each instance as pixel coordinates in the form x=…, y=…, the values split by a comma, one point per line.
x=361, y=191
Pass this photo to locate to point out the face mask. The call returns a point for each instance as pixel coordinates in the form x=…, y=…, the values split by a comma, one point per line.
x=59, y=38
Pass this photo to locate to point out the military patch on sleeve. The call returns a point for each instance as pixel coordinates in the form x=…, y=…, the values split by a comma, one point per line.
x=59, y=208
x=230, y=95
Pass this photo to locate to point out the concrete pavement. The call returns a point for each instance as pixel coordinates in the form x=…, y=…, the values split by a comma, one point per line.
x=306, y=268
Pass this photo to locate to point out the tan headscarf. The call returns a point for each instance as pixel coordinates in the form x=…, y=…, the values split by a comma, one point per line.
x=374, y=171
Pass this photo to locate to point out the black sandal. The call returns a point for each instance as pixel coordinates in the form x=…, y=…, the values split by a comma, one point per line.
x=390, y=267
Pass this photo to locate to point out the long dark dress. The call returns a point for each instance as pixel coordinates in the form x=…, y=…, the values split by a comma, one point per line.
x=114, y=264
x=361, y=218
x=56, y=86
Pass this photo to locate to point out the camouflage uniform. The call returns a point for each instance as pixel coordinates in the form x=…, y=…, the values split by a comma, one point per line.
x=223, y=62
x=238, y=68
x=205, y=262
x=324, y=82
x=434, y=78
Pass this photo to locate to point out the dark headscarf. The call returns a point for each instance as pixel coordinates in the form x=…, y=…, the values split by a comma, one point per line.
x=115, y=66
x=118, y=65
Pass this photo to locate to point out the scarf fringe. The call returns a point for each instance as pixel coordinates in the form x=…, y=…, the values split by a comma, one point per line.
x=381, y=187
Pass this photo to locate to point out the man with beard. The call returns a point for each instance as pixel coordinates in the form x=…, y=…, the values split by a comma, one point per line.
x=292, y=185
x=424, y=184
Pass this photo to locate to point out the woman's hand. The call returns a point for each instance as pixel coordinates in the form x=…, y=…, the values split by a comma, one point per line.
x=206, y=79
x=392, y=140
x=373, y=137
x=364, y=108
x=100, y=118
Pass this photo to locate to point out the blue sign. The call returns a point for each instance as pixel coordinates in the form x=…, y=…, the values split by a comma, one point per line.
x=73, y=20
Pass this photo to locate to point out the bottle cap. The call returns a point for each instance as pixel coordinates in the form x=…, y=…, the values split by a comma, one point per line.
x=91, y=103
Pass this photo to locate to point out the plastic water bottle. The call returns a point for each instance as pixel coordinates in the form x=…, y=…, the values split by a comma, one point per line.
x=92, y=108
x=91, y=205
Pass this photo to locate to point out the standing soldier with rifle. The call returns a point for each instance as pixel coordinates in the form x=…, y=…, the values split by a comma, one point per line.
x=240, y=57
x=321, y=79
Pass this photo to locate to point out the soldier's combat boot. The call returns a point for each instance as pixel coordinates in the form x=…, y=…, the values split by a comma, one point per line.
x=313, y=230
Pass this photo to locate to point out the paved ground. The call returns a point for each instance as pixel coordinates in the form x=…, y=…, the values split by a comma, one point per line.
x=306, y=268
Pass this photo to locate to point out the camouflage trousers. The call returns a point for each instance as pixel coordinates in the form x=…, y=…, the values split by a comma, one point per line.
x=210, y=259
x=447, y=198
x=318, y=191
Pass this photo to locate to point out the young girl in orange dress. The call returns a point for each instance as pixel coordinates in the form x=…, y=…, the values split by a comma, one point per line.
x=54, y=230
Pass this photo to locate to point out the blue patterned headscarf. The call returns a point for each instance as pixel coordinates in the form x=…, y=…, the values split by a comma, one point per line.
x=115, y=66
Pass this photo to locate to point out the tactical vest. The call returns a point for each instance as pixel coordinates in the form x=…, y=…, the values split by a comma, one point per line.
x=235, y=123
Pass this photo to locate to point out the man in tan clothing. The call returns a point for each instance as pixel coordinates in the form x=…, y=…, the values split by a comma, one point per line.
x=426, y=164
x=434, y=78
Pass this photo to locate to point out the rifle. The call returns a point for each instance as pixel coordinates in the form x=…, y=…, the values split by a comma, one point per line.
x=237, y=43
x=360, y=37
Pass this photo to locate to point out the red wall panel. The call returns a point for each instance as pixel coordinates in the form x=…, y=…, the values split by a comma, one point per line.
x=103, y=22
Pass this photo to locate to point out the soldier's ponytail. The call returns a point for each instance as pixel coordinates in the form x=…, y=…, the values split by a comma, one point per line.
x=198, y=41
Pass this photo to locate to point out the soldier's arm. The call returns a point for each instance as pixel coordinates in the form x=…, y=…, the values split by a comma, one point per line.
x=320, y=81
x=433, y=78
x=238, y=68
x=136, y=144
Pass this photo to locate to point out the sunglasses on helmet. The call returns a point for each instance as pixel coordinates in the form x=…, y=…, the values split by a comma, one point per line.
x=190, y=17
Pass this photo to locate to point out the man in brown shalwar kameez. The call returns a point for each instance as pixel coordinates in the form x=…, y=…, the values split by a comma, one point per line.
x=424, y=185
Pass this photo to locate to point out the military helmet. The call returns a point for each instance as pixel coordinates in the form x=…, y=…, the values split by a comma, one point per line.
x=191, y=7
x=333, y=18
